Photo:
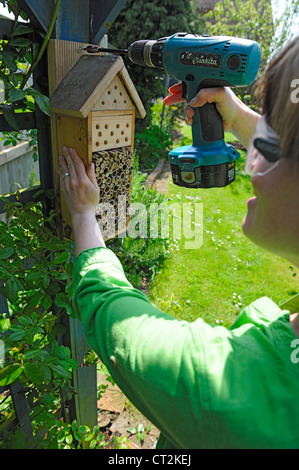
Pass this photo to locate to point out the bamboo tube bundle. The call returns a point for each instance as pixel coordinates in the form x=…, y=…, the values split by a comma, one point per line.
x=113, y=170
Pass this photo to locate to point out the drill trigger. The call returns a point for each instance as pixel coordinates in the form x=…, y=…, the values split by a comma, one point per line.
x=184, y=94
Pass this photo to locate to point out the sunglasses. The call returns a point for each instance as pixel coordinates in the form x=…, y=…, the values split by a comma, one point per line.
x=264, y=153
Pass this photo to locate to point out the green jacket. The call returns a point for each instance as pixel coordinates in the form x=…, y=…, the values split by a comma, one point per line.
x=202, y=386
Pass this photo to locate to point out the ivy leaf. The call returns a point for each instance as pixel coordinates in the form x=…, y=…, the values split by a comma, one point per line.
x=78, y=436
x=74, y=425
x=12, y=287
x=34, y=373
x=60, y=371
x=31, y=354
x=5, y=253
x=61, y=300
x=62, y=352
x=25, y=320
x=62, y=257
x=22, y=29
x=3, y=77
x=8, y=59
x=10, y=374
x=19, y=440
x=83, y=429
x=23, y=251
x=16, y=94
x=42, y=101
x=132, y=430
x=47, y=375
x=18, y=334
x=4, y=324
x=21, y=42
x=10, y=116
x=57, y=331
x=69, y=439
x=33, y=278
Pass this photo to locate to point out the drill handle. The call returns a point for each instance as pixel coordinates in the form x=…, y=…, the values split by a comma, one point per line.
x=207, y=125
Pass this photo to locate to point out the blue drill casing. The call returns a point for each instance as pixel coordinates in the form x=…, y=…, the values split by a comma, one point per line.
x=205, y=62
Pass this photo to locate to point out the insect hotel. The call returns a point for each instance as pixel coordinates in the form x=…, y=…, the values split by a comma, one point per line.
x=93, y=110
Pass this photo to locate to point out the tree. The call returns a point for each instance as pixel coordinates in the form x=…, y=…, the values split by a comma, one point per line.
x=251, y=20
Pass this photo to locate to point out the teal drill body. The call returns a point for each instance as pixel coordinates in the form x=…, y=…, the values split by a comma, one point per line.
x=202, y=62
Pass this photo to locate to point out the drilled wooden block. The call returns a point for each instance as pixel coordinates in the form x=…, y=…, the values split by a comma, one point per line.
x=115, y=97
x=113, y=170
x=112, y=131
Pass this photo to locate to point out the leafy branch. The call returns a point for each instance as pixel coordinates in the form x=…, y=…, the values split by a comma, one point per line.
x=20, y=55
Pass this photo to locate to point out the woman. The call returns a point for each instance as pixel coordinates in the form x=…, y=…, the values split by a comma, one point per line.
x=204, y=386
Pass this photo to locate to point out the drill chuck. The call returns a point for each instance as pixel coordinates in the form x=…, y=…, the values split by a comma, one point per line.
x=147, y=53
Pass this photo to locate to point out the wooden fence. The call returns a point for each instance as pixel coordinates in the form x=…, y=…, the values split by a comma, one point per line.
x=17, y=168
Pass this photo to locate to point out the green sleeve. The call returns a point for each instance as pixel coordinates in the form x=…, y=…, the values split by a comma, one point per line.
x=151, y=356
x=202, y=386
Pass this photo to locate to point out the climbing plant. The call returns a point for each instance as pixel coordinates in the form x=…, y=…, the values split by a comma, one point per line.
x=35, y=269
x=20, y=53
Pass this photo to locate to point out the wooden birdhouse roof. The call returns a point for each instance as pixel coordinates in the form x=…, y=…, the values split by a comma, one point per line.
x=96, y=83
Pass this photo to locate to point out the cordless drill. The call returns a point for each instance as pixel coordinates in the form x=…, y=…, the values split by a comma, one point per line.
x=201, y=62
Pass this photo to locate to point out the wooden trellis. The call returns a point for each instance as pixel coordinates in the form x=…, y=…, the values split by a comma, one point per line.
x=73, y=26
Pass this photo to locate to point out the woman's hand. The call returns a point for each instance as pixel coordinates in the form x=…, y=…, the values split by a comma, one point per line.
x=236, y=116
x=224, y=98
x=79, y=185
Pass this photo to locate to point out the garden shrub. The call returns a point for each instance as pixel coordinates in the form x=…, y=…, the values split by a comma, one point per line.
x=152, y=145
x=141, y=257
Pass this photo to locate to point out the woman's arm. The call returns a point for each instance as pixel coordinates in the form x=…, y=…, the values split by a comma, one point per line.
x=87, y=233
x=81, y=193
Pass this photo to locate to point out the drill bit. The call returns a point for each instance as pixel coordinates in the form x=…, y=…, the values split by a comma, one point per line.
x=95, y=49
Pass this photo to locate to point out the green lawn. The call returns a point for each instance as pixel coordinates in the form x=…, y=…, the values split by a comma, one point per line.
x=226, y=273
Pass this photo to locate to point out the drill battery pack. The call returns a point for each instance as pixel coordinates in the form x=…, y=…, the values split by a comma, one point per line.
x=208, y=176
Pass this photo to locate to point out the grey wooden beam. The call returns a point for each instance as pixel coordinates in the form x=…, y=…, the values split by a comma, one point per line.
x=25, y=121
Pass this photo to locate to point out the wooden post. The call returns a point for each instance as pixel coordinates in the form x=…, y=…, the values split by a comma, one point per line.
x=62, y=55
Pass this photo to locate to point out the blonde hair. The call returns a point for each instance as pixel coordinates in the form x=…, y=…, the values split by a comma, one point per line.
x=276, y=92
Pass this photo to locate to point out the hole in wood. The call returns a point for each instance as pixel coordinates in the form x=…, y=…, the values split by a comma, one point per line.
x=117, y=126
x=103, y=102
x=98, y=126
x=105, y=142
x=106, y=126
x=127, y=125
x=97, y=144
x=111, y=133
x=100, y=134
